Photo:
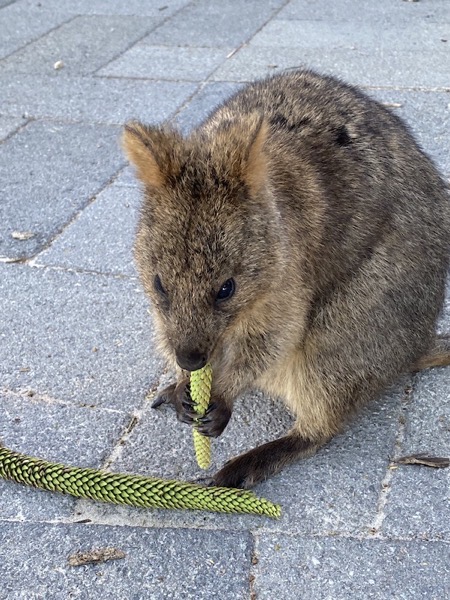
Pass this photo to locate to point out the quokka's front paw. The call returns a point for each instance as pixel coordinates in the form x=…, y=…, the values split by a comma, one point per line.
x=165, y=396
x=177, y=395
x=213, y=421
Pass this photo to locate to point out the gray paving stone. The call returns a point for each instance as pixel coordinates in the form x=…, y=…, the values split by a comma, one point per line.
x=93, y=99
x=162, y=62
x=416, y=35
x=24, y=21
x=214, y=23
x=159, y=564
x=9, y=125
x=84, y=45
x=419, y=500
x=382, y=11
x=101, y=238
x=335, y=492
x=428, y=116
x=40, y=426
x=371, y=67
x=329, y=569
x=50, y=171
x=82, y=338
x=210, y=96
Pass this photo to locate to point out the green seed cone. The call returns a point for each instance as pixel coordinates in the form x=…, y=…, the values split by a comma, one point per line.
x=133, y=490
x=200, y=390
x=202, y=447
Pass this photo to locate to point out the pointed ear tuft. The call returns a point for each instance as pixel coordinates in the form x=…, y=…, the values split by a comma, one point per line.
x=238, y=144
x=255, y=169
x=140, y=143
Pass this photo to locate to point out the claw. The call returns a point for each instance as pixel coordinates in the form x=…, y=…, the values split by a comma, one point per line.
x=204, y=420
x=210, y=408
x=165, y=396
x=160, y=399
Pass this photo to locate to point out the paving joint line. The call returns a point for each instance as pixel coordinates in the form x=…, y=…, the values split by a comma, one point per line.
x=7, y=4
x=116, y=452
x=78, y=213
x=55, y=28
x=18, y=129
x=114, y=455
x=30, y=395
x=60, y=120
x=247, y=40
x=148, y=32
x=254, y=560
x=143, y=78
x=377, y=523
x=33, y=262
x=185, y=104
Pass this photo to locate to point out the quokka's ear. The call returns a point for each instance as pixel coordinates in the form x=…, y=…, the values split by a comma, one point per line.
x=150, y=150
x=255, y=168
x=239, y=145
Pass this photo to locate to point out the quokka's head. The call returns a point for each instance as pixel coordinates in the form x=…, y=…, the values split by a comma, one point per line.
x=208, y=244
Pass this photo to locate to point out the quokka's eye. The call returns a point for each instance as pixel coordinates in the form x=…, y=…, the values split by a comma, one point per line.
x=159, y=286
x=226, y=291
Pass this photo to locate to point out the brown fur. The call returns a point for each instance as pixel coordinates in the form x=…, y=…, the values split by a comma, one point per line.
x=335, y=227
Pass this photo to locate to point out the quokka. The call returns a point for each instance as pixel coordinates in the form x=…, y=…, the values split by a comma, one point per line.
x=298, y=240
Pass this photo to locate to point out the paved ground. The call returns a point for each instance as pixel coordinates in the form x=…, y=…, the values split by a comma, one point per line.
x=78, y=365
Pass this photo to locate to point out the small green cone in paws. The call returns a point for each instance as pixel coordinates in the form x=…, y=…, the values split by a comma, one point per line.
x=200, y=390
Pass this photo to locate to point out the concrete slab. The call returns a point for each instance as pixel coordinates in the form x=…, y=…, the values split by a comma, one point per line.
x=383, y=11
x=83, y=339
x=214, y=23
x=160, y=10
x=208, y=98
x=424, y=512
x=416, y=35
x=166, y=63
x=94, y=99
x=194, y=565
x=50, y=172
x=370, y=67
x=83, y=45
x=23, y=22
x=44, y=427
x=101, y=238
x=292, y=567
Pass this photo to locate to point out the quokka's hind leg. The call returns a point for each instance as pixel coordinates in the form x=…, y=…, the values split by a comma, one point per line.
x=437, y=356
x=246, y=470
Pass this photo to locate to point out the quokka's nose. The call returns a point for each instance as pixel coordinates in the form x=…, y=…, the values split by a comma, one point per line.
x=191, y=360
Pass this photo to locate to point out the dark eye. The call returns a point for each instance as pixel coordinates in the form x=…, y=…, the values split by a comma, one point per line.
x=226, y=291
x=159, y=286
